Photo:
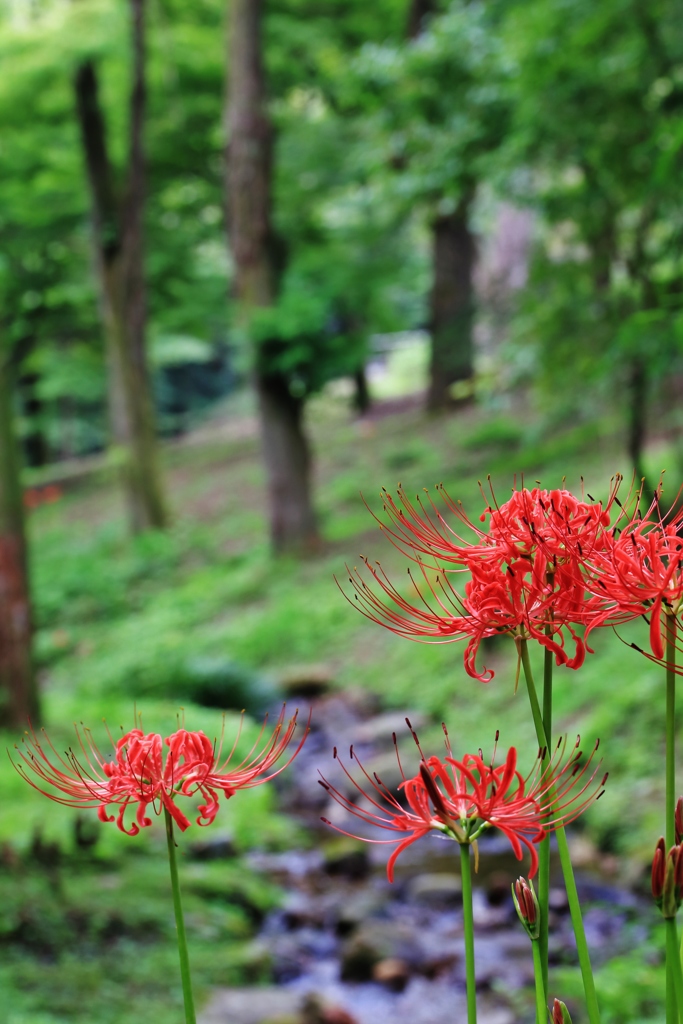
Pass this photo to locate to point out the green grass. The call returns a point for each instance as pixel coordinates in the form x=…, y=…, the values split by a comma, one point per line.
x=149, y=620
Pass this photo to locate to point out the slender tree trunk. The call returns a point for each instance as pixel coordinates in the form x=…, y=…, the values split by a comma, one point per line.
x=417, y=12
x=362, y=400
x=637, y=416
x=119, y=258
x=452, y=294
x=35, y=444
x=249, y=159
x=18, y=692
x=452, y=305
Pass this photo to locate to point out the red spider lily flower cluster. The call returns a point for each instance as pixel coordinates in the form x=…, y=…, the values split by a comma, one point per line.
x=547, y=566
x=526, y=571
x=463, y=798
x=150, y=771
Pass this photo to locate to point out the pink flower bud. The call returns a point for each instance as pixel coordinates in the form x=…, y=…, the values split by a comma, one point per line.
x=560, y=1013
x=526, y=905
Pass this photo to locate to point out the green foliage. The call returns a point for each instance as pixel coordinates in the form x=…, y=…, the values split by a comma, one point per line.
x=599, y=119
x=631, y=986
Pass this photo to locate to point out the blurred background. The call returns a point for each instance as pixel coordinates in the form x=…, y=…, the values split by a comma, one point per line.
x=258, y=257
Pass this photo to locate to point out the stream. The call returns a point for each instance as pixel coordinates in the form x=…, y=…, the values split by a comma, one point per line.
x=347, y=947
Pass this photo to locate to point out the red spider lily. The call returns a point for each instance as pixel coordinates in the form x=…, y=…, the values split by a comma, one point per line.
x=139, y=774
x=527, y=573
x=640, y=572
x=555, y=524
x=497, y=599
x=462, y=799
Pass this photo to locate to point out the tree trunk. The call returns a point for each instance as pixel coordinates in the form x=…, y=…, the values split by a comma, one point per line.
x=119, y=258
x=452, y=305
x=18, y=692
x=451, y=299
x=637, y=419
x=362, y=400
x=418, y=11
x=36, y=448
x=288, y=463
x=249, y=185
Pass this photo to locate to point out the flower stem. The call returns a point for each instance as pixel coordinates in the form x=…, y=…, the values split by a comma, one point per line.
x=670, y=730
x=190, y=1016
x=540, y=983
x=565, y=858
x=468, y=923
x=544, y=846
x=670, y=799
x=673, y=959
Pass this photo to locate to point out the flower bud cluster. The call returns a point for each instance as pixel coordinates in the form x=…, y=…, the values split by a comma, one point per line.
x=526, y=905
x=667, y=878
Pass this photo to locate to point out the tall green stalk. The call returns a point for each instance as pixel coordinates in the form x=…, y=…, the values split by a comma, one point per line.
x=563, y=849
x=468, y=923
x=540, y=983
x=190, y=1015
x=670, y=798
x=673, y=961
x=544, y=846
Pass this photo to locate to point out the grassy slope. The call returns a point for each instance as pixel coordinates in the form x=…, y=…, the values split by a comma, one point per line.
x=119, y=621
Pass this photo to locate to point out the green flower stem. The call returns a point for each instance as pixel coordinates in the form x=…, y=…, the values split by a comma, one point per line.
x=190, y=1015
x=673, y=959
x=544, y=846
x=670, y=794
x=540, y=983
x=468, y=921
x=565, y=858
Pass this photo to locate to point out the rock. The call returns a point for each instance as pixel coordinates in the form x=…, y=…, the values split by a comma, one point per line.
x=316, y=1011
x=557, y=900
x=250, y=1006
x=499, y=889
x=435, y=889
x=352, y=911
x=376, y=941
x=299, y=910
x=347, y=861
x=485, y=915
x=219, y=846
x=584, y=853
x=307, y=680
x=379, y=730
x=393, y=973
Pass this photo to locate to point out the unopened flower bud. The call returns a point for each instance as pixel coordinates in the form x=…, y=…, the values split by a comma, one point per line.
x=526, y=905
x=679, y=821
x=667, y=878
x=560, y=1013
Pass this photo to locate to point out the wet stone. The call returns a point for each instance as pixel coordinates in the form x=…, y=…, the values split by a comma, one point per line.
x=376, y=941
x=393, y=973
x=351, y=863
x=379, y=730
x=435, y=889
x=220, y=846
x=250, y=1005
x=306, y=680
